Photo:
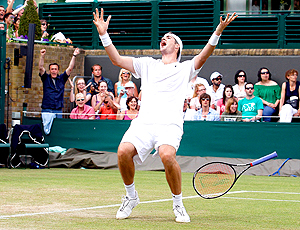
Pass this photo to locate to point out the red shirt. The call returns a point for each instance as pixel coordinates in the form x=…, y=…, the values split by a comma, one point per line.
x=105, y=113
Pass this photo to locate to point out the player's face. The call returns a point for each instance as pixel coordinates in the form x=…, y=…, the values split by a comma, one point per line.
x=53, y=71
x=97, y=71
x=167, y=43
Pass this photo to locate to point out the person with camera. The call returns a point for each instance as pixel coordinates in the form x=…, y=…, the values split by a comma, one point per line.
x=96, y=79
x=129, y=91
x=99, y=99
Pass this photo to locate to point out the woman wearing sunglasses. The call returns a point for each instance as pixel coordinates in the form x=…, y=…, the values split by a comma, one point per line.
x=268, y=91
x=124, y=77
x=82, y=111
x=206, y=113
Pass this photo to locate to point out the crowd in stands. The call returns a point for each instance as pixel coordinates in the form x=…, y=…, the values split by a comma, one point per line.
x=244, y=101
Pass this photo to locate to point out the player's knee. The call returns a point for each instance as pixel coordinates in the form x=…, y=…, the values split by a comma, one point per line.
x=126, y=151
x=167, y=157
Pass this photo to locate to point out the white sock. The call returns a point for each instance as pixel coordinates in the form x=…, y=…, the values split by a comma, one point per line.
x=130, y=190
x=177, y=200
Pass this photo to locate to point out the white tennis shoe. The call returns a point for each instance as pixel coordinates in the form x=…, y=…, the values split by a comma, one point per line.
x=127, y=205
x=181, y=214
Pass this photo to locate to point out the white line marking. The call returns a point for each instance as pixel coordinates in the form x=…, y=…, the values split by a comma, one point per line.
x=154, y=201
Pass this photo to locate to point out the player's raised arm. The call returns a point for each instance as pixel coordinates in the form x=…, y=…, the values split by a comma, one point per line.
x=114, y=56
x=213, y=41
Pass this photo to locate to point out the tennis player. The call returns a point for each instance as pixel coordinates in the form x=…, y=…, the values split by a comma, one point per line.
x=164, y=83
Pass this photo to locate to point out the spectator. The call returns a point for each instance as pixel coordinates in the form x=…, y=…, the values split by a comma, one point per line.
x=2, y=12
x=231, y=113
x=9, y=19
x=2, y=27
x=216, y=89
x=251, y=106
x=255, y=7
x=289, y=101
x=44, y=27
x=192, y=84
x=80, y=88
x=129, y=91
x=82, y=111
x=98, y=99
x=206, y=113
x=227, y=93
x=132, y=109
x=16, y=24
x=124, y=78
x=108, y=110
x=268, y=91
x=96, y=79
x=195, y=101
x=240, y=80
x=53, y=84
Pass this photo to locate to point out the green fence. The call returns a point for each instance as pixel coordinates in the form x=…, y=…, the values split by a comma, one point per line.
x=141, y=24
x=201, y=138
x=2, y=73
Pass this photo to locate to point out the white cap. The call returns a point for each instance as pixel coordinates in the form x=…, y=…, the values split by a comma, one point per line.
x=215, y=75
x=178, y=40
x=129, y=85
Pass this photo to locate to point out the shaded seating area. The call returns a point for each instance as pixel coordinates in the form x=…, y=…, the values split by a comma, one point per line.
x=27, y=144
x=4, y=146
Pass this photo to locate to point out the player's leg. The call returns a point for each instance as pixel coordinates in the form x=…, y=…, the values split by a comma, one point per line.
x=126, y=152
x=167, y=154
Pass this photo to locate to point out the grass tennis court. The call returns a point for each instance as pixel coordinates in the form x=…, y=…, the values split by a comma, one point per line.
x=88, y=199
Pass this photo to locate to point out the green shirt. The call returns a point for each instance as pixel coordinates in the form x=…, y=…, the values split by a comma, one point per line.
x=249, y=108
x=268, y=93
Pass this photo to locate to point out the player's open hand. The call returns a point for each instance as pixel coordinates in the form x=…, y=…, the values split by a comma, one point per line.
x=224, y=23
x=99, y=22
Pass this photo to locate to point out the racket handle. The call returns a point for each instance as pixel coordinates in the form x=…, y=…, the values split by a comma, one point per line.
x=263, y=159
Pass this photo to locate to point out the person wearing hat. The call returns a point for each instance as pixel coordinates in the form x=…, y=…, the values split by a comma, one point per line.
x=215, y=90
x=164, y=83
x=129, y=90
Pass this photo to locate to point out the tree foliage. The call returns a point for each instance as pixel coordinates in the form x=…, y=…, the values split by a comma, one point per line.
x=30, y=15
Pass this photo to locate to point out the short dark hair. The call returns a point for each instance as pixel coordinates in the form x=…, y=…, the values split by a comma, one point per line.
x=249, y=83
x=237, y=75
x=259, y=73
x=205, y=95
x=96, y=65
x=54, y=63
x=129, y=99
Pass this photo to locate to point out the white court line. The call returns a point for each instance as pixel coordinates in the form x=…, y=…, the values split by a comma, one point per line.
x=152, y=201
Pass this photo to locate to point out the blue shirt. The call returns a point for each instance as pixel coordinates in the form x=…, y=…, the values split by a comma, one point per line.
x=212, y=115
x=53, y=94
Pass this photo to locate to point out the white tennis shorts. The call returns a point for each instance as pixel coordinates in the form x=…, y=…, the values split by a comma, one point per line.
x=146, y=137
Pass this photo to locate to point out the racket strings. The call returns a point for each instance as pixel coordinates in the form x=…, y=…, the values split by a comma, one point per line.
x=213, y=180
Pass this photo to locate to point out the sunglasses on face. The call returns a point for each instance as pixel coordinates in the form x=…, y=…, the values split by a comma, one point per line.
x=205, y=99
x=218, y=79
x=105, y=102
x=200, y=90
x=125, y=73
x=264, y=73
x=242, y=75
x=249, y=88
x=82, y=99
x=43, y=24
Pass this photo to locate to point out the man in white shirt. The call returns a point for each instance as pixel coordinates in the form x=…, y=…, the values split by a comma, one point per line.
x=216, y=89
x=159, y=125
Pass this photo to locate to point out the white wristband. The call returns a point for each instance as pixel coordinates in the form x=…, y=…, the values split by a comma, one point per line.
x=105, y=39
x=214, y=39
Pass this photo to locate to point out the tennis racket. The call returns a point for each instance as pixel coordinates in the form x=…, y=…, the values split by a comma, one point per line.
x=215, y=179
